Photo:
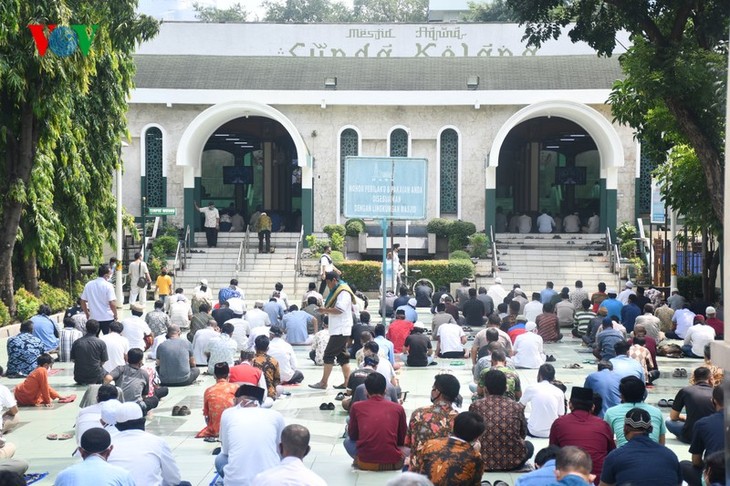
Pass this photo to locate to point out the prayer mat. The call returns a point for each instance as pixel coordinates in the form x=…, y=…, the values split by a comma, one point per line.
x=34, y=477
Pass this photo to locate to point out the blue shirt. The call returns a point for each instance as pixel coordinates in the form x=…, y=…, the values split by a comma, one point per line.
x=273, y=309
x=642, y=461
x=606, y=340
x=540, y=477
x=629, y=313
x=295, y=324
x=625, y=366
x=411, y=314
x=605, y=383
x=570, y=480
x=43, y=329
x=94, y=471
x=613, y=307
x=546, y=295
x=708, y=435
x=383, y=342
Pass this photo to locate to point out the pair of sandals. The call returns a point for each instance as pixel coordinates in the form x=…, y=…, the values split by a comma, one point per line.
x=499, y=482
x=327, y=406
x=666, y=403
x=178, y=411
x=679, y=373
x=574, y=366
x=59, y=436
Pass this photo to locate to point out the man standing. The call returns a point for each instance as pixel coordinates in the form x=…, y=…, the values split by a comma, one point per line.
x=582, y=429
x=89, y=355
x=697, y=399
x=242, y=458
x=95, y=447
x=377, y=429
x=99, y=300
x=175, y=360
x=263, y=228
x=641, y=460
x=138, y=272
x=433, y=421
x=212, y=223
x=503, y=444
x=293, y=448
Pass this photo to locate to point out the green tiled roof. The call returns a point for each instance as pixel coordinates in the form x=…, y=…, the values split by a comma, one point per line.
x=376, y=74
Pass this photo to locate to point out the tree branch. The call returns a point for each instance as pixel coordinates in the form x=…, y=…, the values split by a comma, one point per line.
x=680, y=21
x=649, y=27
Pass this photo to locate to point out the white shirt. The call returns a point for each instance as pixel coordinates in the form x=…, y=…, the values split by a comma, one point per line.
x=156, y=344
x=291, y=472
x=497, y=293
x=97, y=294
x=211, y=216
x=241, y=330
x=524, y=224
x=325, y=263
x=571, y=223
x=137, y=269
x=237, y=304
x=593, y=223
x=200, y=343
x=284, y=354
x=248, y=456
x=547, y=402
x=533, y=309
x=528, y=351
x=256, y=332
x=208, y=292
x=623, y=297
x=147, y=457
x=698, y=336
x=257, y=318
x=7, y=400
x=117, y=346
x=179, y=312
x=545, y=223
x=684, y=318
x=386, y=369
x=135, y=329
x=450, y=338
x=222, y=349
x=341, y=324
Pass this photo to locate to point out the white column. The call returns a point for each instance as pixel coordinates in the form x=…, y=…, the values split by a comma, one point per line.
x=119, y=293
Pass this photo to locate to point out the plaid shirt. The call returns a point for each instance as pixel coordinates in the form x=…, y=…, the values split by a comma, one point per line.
x=68, y=336
x=643, y=356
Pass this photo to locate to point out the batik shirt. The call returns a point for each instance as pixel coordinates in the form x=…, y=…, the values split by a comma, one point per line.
x=158, y=322
x=431, y=422
x=448, y=461
x=216, y=399
x=270, y=367
x=514, y=387
x=23, y=352
x=503, y=442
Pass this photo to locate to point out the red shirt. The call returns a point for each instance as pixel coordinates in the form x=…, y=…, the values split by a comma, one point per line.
x=245, y=373
x=379, y=428
x=717, y=325
x=397, y=333
x=586, y=431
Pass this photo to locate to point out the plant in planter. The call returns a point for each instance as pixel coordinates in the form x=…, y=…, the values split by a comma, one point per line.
x=355, y=226
x=478, y=245
x=627, y=245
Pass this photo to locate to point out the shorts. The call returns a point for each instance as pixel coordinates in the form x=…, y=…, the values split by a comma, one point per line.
x=337, y=348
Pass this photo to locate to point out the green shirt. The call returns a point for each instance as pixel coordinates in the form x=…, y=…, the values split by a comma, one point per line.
x=615, y=417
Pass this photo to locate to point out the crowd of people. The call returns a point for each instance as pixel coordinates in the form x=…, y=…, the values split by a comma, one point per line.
x=605, y=433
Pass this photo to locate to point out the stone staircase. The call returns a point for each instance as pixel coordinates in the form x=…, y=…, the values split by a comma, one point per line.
x=533, y=259
x=257, y=278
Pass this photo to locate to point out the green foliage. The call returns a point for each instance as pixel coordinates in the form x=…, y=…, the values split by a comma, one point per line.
x=439, y=226
x=337, y=257
x=57, y=299
x=26, y=304
x=355, y=226
x=316, y=245
x=691, y=285
x=493, y=11
x=626, y=232
x=170, y=230
x=236, y=13
x=337, y=242
x=164, y=246
x=305, y=11
x=459, y=255
x=332, y=229
x=479, y=245
x=366, y=274
x=390, y=11
x=5, y=318
x=460, y=231
x=154, y=265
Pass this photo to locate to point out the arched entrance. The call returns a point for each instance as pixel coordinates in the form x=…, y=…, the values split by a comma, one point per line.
x=264, y=129
x=559, y=155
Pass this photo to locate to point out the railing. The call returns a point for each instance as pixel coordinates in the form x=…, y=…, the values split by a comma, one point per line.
x=298, y=257
x=176, y=264
x=147, y=240
x=613, y=253
x=241, y=254
x=246, y=246
x=495, y=263
x=186, y=247
x=645, y=247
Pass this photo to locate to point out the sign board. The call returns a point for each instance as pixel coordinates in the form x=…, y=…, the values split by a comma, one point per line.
x=385, y=188
x=161, y=211
x=658, y=210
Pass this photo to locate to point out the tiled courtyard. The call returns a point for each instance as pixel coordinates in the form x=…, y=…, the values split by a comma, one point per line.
x=328, y=458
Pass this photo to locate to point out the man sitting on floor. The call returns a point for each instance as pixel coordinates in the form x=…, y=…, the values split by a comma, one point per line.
x=216, y=399
x=134, y=382
x=284, y=354
x=293, y=448
x=95, y=448
x=35, y=390
x=175, y=360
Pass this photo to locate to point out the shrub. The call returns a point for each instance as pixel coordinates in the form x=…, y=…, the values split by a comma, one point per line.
x=163, y=246
x=316, y=245
x=479, y=245
x=690, y=285
x=170, y=230
x=154, y=265
x=439, y=226
x=337, y=257
x=332, y=229
x=459, y=233
x=459, y=255
x=26, y=305
x=57, y=299
x=366, y=274
x=355, y=226
x=5, y=318
x=337, y=242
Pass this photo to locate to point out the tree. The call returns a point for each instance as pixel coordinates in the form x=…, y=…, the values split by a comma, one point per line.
x=672, y=70
x=62, y=116
x=306, y=11
x=390, y=10
x=236, y=13
x=494, y=11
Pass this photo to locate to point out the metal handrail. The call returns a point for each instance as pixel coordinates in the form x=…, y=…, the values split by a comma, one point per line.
x=495, y=263
x=240, y=255
x=147, y=240
x=176, y=263
x=645, y=247
x=246, y=246
x=298, y=254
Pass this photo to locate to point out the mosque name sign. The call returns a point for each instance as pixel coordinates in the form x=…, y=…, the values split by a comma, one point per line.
x=358, y=41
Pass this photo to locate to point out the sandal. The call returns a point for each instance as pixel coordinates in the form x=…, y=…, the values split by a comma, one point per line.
x=664, y=403
x=318, y=386
x=340, y=387
x=176, y=410
x=52, y=437
x=184, y=410
x=574, y=366
x=330, y=406
x=340, y=396
x=323, y=406
x=65, y=436
x=210, y=439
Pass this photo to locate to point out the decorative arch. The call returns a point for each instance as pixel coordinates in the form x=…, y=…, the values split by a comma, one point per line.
x=397, y=132
x=448, y=168
x=344, y=149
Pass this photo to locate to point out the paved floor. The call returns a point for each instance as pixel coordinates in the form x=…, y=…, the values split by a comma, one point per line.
x=328, y=458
